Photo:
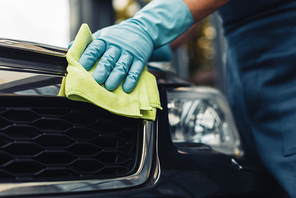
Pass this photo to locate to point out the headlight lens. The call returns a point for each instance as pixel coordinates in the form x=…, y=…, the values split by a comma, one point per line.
x=202, y=115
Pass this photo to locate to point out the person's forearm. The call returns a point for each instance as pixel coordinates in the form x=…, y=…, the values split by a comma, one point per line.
x=202, y=8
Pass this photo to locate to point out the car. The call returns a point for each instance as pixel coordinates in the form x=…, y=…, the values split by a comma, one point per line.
x=53, y=146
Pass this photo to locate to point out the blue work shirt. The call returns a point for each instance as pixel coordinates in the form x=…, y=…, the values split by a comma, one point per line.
x=261, y=81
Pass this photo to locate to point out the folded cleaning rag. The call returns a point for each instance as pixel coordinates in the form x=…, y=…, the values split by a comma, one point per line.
x=80, y=85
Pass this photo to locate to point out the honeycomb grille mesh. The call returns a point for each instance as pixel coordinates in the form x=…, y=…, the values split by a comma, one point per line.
x=53, y=138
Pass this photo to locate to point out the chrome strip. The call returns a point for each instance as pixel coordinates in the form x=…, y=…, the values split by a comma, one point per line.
x=136, y=179
x=156, y=175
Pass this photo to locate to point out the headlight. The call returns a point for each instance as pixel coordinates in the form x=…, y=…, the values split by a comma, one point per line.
x=202, y=115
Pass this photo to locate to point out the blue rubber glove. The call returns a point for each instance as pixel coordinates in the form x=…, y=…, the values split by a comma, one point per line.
x=126, y=47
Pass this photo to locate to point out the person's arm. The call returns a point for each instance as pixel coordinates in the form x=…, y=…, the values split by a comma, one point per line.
x=125, y=48
x=202, y=8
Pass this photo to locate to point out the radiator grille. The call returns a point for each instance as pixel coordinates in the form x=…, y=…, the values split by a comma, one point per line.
x=53, y=138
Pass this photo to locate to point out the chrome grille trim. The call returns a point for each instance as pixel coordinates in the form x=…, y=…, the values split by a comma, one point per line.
x=138, y=178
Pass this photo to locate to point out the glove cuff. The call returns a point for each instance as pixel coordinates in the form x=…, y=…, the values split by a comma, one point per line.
x=164, y=20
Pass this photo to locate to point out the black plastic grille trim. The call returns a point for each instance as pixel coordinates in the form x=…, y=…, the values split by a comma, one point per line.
x=53, y=138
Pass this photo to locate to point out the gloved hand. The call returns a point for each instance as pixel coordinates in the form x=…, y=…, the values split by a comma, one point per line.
x=126, y=47
x=121, y=54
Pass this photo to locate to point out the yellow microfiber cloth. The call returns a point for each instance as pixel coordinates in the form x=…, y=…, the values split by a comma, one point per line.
x=80, y=85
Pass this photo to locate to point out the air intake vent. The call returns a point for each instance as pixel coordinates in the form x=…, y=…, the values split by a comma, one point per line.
x=53, y=138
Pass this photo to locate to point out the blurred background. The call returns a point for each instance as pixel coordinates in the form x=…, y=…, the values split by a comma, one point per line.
x=200, y=59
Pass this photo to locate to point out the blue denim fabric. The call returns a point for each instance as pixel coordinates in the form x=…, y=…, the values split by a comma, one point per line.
x=261, y=81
